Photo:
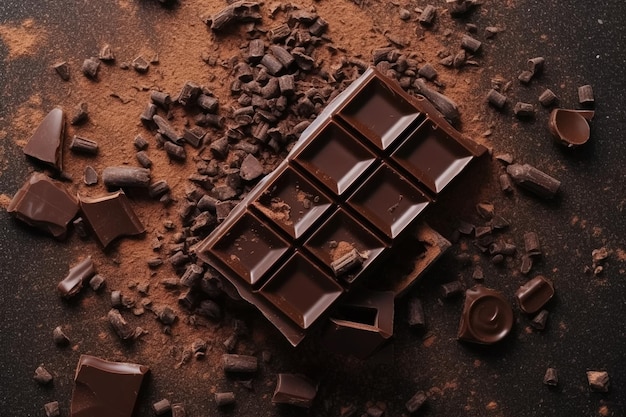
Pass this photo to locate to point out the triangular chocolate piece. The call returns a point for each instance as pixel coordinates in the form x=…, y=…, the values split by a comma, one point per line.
x=46, y=143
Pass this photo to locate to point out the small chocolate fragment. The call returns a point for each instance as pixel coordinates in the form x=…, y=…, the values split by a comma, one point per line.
x=506, y=184
x=140, y=64
x=534, y=180
x=428, y=15
x=124, y=176
x=540, y=320
x=97, y=282
x=444, y=104
x=451, y=289
x=239, y=363
x=535, y=65
x=585, y=95
x=80, y=115
x=525, y=77
x=294, y=390
x=166, y=315
x=52, y=409
x=79, y=273
x=256, y=50
x=534, y=294
x=161, y=99
x=106, y=54
x=478, y=273
x=427, y=71
x=282, y=55
x=272, y=64
x=416, y=314
x=532, y=246
x=470, y=44
x=192, y=275
x=161, y=407
x=84, y=146
x=551, y=377
x=47, y=142
x=63, y=69
x=110, y=217
x=121, y=327
x=194, y=136
x=42, y=376
x=158, y=188
x=167, y=130
x=59, y=338
x=45, y=204
x=496, y=99
x=147, y=115
x=347, y=263
x=238, y=12
x=416, y=402
x=105, y=389
x=188, y=94
x=598, y=381
x=90, y=68
x=547, y=98
x=487, y=316
x=527, y=264
x=223, y=399
x=524, y=110
x=143, y=159
x=207, y=103
x=175, y=151
x=178, y=410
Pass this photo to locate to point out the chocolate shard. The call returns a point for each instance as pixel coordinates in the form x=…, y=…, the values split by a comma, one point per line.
x=534, y=180
x=47, y=142
x=123, y=176
x=347, y=263
x=487, y=316
x=238, y=12
x=445, y=105
x=598, y=380
x=416, y=402
x=52, y=409
x=224, y=399
x=79, y=273
x=105, y=389
x=45, y=204
x=533, y=295
x=295, y=390
x=240, y=363
x=551, y=377
x=59, y=337
x=42, y=376
x=121, y=327
x=110, y=217
x=63, y=69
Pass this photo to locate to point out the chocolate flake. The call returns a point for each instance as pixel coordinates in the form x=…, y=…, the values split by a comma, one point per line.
x=45, y=204
x=79, y=273
x=47, y=142
x=295, y=390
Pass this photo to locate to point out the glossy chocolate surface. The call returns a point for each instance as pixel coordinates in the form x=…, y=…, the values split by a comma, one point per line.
x=105, y=389
x=487, y=316
x=46, y=144
x=77, y=276
x=356, y=181
x=533, y=295
x=110, y=217
x=570, y=127
x=295, y=390
x=45, y=204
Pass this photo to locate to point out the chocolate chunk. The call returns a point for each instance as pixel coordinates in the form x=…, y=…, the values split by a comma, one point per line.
x=478, y=274
x=121, y=327
x=178, y=410
x=110, y=217
x=506, y=184
x=251, y=168
x=52, y=409
x=140, y=64
x=161, y=99
x=175, y=151
x=239, y=363
x=146, y=116
x=207, y=103
x=79, y=273
x=496, y=99
x=256, y=50
x=80, y=114
x=295, y=390
x=551, y=377
x=282, y=55
x=224, y=399
x=532, y=246
x=427, y=16
x=487, y=316
x=158, y=188
x=124, y=176
x=346, y=263
x=444, y=104
x=194, y=136
x=143, y=159
x=470, y=44
x=534, y=294
x=105, y=389
x=272, y=64
x=585, y=95
x=525, y=77
x=106, y=53
x=97, y=282
x=84, y=146
x=238, y=12
x=192, y=275
x=47, y=142
x=416, y=314
x=527, y=264
x=167, y=130
x=598, y=381
x=166, y=315
x=90, y=68
x=188, y=94
x=44, y=204
x=427, y=71
x=451, y=289
x=539, y=321
x=534, y=180
x=59, y=337
x=416, y=402
x=161, y=407
x=42, y=376
x=63, y=69
x=535, y=65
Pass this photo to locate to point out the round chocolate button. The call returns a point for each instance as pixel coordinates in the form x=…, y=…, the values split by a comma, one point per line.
x=489, y=318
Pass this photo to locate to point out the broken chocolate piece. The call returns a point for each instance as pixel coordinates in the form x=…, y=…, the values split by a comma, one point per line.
x=347, y=263
x=161, y=407
x=105, y=389
x=84, y=146
x=570, y=127
x=496, y=99
x=532, y=246
x=428, y=15
x=524, y=110
x=52, y=409
x=539, y=321
x=106, y=53
x=238, y=12
x=110, y=216
x=295, y=390
x=79, y=273
x=547, y=98
x=47, y=142
x=224, y=399
x=585, y=95
x=533, y=295
x=42, y=376
x=534, y=180
x=59, y=338
x=551, y=377
x=80, y=115
x=598, y=381
x=90, y=68
x=487, y=316
x=123, y=176
x=140, y=64
x=445, y=105
x=121, y=327
x=470, y=44
x=416, y=402
x=451, y=289
x=63, y=69
x=45, y=204
x=416, y=314
x=239, y=363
